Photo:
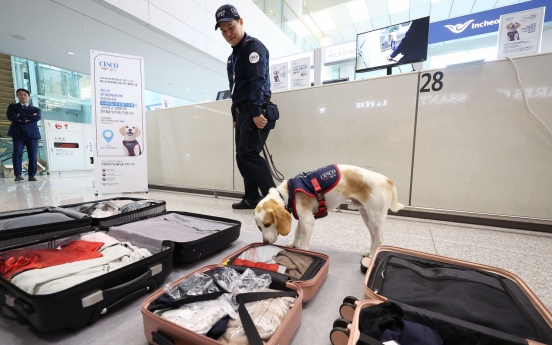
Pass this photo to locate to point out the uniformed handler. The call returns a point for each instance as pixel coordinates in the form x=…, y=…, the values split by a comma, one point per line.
x=248, y=74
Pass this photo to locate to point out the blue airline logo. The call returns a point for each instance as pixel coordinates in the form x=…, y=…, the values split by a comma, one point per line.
x=105, y=65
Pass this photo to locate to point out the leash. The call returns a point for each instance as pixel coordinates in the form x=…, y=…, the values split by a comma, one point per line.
x=276, y=174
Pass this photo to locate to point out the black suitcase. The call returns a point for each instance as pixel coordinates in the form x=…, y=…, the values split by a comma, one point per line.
x=158, y=207
x=195, y=237
x=26, y=226
x=85, y=303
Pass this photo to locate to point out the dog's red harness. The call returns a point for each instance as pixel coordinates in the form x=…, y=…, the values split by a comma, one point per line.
x=313, y=183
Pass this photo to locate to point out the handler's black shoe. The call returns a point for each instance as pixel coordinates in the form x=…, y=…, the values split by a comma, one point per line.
x=245, y=204
x=19, y=178
x=32, y=178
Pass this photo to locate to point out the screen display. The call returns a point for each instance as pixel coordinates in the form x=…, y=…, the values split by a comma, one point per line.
x=223, y=95
x=394, y=45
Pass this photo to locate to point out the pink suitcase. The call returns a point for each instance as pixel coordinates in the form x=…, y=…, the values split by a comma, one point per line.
x=489, y=300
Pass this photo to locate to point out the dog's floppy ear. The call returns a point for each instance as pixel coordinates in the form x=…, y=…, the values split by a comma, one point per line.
x=282, y=220
x=122, y=130
x=138, y=132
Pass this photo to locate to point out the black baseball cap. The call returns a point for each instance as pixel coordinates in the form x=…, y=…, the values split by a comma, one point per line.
x=226, y=13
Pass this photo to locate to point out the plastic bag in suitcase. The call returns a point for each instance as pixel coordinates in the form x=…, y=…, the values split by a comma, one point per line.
x=109, y=212
x=482, y=295
x=309, y=278
x=195, y=235
x=161, y=331
x=49, y=285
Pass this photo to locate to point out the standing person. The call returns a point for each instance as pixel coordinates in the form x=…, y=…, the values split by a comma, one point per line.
x=24, y=132
x=249, y=79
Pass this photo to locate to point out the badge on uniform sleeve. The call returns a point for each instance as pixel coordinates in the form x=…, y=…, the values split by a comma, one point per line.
x=254, y=57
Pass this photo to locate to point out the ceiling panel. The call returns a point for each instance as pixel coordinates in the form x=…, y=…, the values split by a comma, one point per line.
x=335, y=34
x=440, y=10
x=401, y=17
x=317, y=5
x=461, y=8
x=419, y=12
x=377, y=8
x=483, y=5
x=418, y=3
x=381, y=22
x=364, y=26
x=340, y=15
x=348, y=32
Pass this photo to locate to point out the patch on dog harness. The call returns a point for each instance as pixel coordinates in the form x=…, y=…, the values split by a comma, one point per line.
x=130, y=145
x=313, y=183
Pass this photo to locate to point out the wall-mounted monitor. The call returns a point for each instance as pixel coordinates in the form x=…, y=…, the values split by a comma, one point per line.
x=393, y=45
x=223, y=95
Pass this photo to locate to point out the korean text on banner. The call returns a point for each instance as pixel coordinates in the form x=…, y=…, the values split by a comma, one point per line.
x=120, y=162
x=300, y=73
x=279, y=75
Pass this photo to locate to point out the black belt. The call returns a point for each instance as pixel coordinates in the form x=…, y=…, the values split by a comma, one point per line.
x=244, y=107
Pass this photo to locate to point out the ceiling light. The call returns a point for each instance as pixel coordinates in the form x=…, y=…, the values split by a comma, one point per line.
x=70, y=53
x=358, y=11
x=168, y=82
x=396, y=6
x=311, y=24
x=299, y=28
x=324, y=20
x=17, y=37
x=188, y=89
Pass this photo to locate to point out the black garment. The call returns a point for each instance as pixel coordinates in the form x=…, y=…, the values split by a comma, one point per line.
x=249, y=63
x=253, y=167
x=219, y=328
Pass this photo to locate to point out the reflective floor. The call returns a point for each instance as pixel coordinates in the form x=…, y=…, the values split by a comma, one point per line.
x=527, y=254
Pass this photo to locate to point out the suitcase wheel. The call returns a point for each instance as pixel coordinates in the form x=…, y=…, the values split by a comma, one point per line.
x=350, y=299
x=339, y=336
x=347, y=311
x=364, y=264
x=341, y=322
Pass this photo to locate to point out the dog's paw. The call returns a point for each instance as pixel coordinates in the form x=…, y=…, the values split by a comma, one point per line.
x=291, y=244
x=367, y=254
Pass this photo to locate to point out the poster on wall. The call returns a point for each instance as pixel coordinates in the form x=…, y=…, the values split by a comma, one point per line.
x=279, y=77
x=120, y=162
x=520, y=33
x=300, y=70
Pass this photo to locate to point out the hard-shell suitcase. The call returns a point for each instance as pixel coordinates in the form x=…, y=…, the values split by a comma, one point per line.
x=163, y=332
x=157, y=206
x=27, y=226
x=85, y=303
x=310, y=281
x=482, y=296
x=195, y=236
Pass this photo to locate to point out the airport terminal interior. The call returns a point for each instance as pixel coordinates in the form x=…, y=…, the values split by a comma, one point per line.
x=139, y=228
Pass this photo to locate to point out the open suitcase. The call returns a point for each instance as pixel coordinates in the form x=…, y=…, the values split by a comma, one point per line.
x=118, y=210
x=195, y=236
x=26, y=226
x=163, y=332
x=77, y=305
x=492, y=305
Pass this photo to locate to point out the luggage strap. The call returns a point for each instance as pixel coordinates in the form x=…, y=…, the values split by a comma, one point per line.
x=248, y=325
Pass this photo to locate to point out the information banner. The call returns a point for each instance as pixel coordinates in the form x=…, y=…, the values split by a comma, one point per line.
x=520, y=33
x=300, y=70
x=279, y=75
x=120, y=162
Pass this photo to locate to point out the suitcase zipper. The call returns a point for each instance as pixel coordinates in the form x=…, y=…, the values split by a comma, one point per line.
x=380, y=275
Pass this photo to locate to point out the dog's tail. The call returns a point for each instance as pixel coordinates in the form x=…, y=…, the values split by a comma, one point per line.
x=395, y=204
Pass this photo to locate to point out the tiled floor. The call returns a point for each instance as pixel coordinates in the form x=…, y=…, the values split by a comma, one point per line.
x=527, y=254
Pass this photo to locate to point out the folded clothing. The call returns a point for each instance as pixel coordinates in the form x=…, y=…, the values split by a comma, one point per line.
x=108, y=208
x=99, y=236
x=261, y=265
x=264, y=254
x=20, y=260
x=58, y=278
x=296, y=264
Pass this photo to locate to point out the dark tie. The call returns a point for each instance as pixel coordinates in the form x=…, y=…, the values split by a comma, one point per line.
x=24, y=107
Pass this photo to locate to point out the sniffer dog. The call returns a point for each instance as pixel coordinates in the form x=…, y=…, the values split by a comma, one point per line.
x=369, y=192
x=131, y=146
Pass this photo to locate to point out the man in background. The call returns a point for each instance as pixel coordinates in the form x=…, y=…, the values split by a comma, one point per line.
x=24, y=132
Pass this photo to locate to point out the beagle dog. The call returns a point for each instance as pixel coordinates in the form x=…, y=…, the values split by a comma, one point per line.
x=310, y=195
x=131, y=146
